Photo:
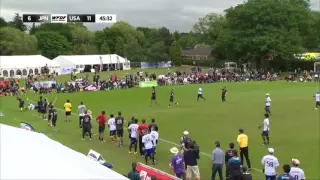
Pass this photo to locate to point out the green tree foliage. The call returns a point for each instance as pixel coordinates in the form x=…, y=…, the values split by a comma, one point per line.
x=3, y=23
x=175, y=53
x=18, y=23
x=63, y=29
x=15, y=42
x=52, y=44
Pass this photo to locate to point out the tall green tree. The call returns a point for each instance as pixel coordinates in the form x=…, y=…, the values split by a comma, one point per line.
x=175, y=53
x=52, y=44
x=61, y=28
x=119, y=49
x=3, y=23
x=18, y=23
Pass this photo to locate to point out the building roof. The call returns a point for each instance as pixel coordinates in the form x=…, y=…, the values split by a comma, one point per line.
x=25, y=62
x=201, y=51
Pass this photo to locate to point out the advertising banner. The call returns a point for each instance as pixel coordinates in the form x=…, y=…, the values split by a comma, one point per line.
x=144, y=84
x=146, y=172
x=162, y=64
x=66, y=70
x=45, y=84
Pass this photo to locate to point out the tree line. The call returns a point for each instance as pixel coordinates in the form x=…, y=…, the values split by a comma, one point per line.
x=254, y=31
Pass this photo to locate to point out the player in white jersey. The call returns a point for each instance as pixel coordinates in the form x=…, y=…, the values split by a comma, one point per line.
x=31, y=106
x=82, y=109
x=266, y=129
x=147, y=140
x=317, y=96
x=133, y=128
x=112, y=127
x=269, y=164
x=155, y=136
x=268, y=104
x=295, y=171
x=200, y=94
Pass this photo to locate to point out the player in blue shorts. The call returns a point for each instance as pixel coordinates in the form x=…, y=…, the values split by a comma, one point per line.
x=200, y=94
x=133, y=128
x=147, y=140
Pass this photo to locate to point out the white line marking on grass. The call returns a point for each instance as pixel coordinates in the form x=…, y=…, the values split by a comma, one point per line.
x=169, y=142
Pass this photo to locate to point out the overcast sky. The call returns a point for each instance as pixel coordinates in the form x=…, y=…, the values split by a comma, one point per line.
x=178, y=15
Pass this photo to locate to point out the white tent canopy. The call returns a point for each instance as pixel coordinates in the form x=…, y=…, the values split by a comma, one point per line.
x=31, y=155
x=11, y=66
x=81, y=62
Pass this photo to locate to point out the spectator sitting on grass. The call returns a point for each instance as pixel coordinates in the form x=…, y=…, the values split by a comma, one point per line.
x=134, y=174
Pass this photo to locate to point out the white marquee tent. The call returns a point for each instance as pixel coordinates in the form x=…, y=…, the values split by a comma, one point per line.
x=82, y=62
x=17, y=66
x=31, y=155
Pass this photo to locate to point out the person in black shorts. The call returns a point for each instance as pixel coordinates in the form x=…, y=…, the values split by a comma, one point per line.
x=21, y=103
x=39, y=104
x=154, y=96
x=54, y=118
x=171, y=99
x=86, y=125
x=119, y=128
x=50, y=108
x=224, y=93
x=44, y=109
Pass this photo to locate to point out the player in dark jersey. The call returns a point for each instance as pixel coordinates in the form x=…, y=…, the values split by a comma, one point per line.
x=21, y=103
x=119, y=128
x=152, y=125
x=50, y=109
x=224, y=93
x=171, y=99
x=86, y=125
x=54, y=117
x=154, y=96
x=44, y=109
x=229, y=155
x=39, y=104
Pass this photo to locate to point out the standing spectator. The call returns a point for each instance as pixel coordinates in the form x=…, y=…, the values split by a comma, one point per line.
x=102, y=120
x=297, y=172
x=234, y=165
x=142, y=130
x=86, y=126
x=152, y=125
x=190, y=159
x=270, y=163
x=67, y=107
x=286, y=175
x=242, y=140
x=134, y=174
x=82, y=108
x=217, y=161
x=177, y=163
x=245, y=174
x=229, y=155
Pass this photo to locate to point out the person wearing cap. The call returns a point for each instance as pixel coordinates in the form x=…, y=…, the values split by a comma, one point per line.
x=177, y=163
x=134, y=174
x=269, y=165
x=286, y=175
x=184, y=140
x=229, y=155
x=245, y=174
x=317, y=96
x=268, y=104
x=242, y=140
x=217, y=161
x=295, y=171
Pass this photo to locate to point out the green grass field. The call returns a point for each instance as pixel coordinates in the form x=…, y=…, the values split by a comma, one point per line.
x=294, y=123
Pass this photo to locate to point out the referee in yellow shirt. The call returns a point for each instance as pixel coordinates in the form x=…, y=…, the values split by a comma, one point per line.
x=242, y=140
x=67, y=108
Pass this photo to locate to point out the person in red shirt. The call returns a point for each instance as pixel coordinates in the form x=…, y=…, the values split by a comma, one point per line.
x=142, y=130
x=101, y=119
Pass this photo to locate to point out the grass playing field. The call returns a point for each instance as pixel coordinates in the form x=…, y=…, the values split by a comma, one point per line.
x=294, y=123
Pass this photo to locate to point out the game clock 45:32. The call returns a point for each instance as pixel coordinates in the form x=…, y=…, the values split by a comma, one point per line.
x=106, y=18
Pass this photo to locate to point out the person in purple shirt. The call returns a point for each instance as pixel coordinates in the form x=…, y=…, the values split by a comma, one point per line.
x=177, y=163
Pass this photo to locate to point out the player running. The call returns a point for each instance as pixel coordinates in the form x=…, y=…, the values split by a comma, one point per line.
x=295, y=171
x=153, y=96
x=133, y=128
x=200, y=95
x=44, y=109
x=31, y=106
x=112, y=127
x=224, y=94
x=268, y=104
x=269, y=165
x=317, y=96
x=266, y=129
x=21, y=103
x=54, y=118
x=171, y=99
x=147, y=140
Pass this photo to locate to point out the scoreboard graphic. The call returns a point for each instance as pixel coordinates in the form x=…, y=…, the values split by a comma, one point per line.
x=69, y=18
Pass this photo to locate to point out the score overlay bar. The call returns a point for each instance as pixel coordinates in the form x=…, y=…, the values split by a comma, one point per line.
x=83, y=18
x=34, y=18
